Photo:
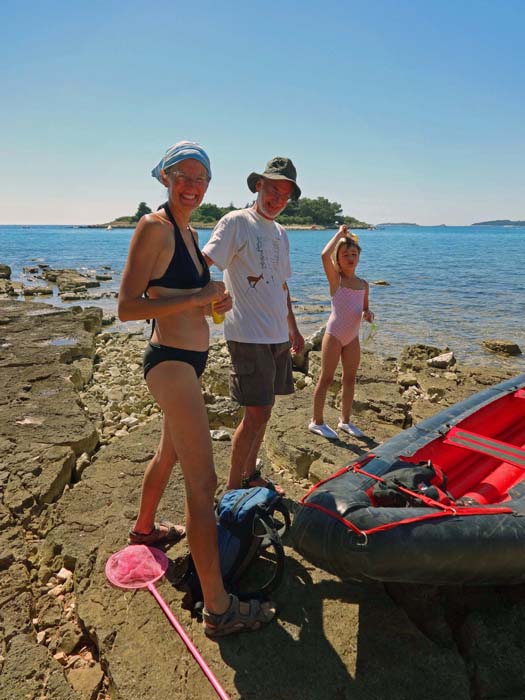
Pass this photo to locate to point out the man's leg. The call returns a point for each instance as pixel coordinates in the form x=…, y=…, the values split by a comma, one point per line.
x=246, y=442
x=252, y=385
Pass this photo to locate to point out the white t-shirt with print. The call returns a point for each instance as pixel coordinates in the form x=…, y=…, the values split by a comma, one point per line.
x=254, y=254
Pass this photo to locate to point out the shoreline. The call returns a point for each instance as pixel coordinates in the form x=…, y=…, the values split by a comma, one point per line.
x=66, y=288
x=206, y=225
x=448, y=305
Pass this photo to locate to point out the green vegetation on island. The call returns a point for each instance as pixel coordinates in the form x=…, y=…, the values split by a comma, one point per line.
x=500, y=222
x=305, y=213
x=397, y=223
x=128, y=221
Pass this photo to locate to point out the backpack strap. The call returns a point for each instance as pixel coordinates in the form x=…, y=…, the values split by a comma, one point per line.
x=281, y=528
x=270, y=540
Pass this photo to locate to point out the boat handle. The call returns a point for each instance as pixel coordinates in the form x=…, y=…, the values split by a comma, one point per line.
x=365, y=540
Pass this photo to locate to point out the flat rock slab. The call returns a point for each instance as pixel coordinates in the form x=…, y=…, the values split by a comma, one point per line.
x=42, y=429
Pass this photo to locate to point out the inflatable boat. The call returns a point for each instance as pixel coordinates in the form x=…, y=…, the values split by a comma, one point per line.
x=442, y=502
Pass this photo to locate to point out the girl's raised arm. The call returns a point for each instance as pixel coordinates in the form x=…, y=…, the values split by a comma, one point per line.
x=331, y=273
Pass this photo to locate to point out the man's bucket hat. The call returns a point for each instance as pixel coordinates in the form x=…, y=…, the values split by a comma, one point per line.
x=278, y=168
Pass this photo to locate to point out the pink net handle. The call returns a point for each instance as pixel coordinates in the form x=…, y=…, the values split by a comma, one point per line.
x=136, y=566
x=139, y=566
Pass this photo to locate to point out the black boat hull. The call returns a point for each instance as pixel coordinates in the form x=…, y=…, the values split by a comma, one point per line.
x=330, y=528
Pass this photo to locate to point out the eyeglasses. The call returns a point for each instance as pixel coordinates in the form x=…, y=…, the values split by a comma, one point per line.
x=284, y=195
x=200, y=181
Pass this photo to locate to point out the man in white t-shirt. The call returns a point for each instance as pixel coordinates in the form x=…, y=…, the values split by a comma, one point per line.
x=253, y=251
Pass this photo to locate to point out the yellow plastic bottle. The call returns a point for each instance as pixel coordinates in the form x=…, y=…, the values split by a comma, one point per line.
x=217, y=317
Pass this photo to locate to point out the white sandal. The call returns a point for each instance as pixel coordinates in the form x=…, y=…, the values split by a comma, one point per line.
x=351, y=429
x=322, y=429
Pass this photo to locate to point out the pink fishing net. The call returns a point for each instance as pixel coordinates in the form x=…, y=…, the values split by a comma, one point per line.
x=139, y=566
x=136, y=566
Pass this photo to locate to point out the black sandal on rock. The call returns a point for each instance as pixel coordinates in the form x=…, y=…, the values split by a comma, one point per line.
x=247, y=482
x=234, y=620
x=162, y=533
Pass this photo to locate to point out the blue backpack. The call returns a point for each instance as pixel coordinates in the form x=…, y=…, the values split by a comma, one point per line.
x=250, y=524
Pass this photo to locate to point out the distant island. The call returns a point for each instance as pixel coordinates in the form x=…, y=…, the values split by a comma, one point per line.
x=305, y=213
x=396, y=223
x=500, y=222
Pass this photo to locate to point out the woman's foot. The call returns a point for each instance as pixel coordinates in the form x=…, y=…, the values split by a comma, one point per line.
x=239, y=616
x=350, y=428
x=322, y=429
x=161, y=533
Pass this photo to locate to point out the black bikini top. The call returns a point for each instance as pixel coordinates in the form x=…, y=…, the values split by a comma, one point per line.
x=181, y=272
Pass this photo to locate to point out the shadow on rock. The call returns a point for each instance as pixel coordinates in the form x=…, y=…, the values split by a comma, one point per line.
x=339, y=640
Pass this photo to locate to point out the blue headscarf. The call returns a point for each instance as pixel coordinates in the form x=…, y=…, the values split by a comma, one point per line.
x=182, y=151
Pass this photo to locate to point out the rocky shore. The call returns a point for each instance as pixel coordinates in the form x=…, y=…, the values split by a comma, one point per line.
x=42, y=280
x=77, y=427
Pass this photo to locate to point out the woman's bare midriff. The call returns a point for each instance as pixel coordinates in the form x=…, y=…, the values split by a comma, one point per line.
x=187, y=330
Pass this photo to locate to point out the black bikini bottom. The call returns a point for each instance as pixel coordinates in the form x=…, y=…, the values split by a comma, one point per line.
x=155, y=354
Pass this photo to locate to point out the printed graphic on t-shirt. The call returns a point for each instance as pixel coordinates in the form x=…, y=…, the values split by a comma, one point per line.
x=252, y=281
x=268, y=253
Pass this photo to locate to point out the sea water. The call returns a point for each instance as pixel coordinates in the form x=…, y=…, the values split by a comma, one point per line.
x=447, y=286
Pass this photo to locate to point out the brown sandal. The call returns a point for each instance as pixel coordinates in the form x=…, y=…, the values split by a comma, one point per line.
x=162, y=533
x=234, y=620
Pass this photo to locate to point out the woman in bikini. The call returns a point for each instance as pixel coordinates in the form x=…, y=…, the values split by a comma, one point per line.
x=166, y=279
x=349, y=296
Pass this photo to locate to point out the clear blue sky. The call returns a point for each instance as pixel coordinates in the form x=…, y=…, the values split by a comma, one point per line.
x=399, y=110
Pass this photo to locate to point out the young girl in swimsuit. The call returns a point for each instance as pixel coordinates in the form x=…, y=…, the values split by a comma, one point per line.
x=167, y=279
x=349, y=296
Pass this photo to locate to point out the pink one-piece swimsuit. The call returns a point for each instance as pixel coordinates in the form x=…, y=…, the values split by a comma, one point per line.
x=345, y=319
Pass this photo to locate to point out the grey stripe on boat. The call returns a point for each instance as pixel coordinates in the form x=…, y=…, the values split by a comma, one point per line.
x=491, y=442
x=484, y=445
